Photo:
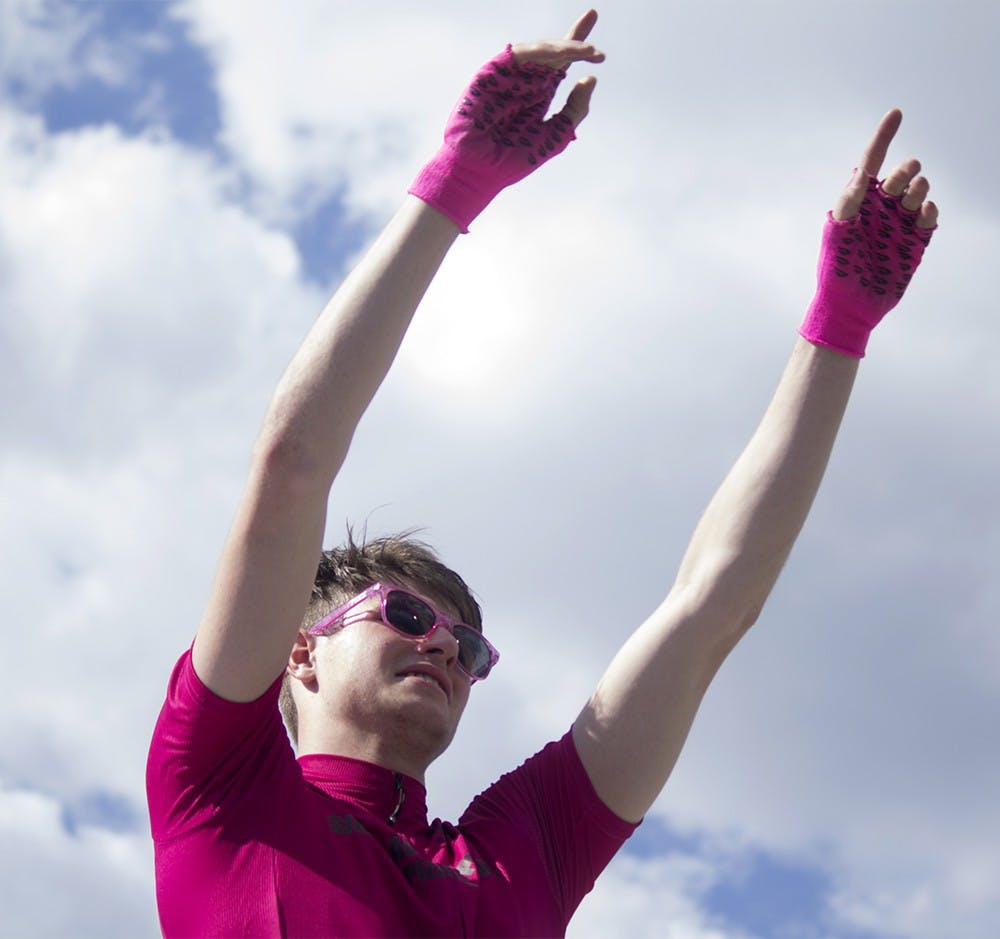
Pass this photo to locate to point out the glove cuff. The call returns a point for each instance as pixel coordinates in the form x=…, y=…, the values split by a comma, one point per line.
x=444, y=186
x=827, y=326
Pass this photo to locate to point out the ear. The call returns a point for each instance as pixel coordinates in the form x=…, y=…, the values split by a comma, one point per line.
x=302, y=658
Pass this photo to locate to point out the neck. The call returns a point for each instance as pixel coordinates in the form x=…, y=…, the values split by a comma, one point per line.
x=369, y=748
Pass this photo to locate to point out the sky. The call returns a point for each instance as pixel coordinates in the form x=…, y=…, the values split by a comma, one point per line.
x=182, y=186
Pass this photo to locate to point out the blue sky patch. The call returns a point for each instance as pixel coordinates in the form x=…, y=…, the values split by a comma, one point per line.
x=168, y=80
x=325, y=238
x=771, y=897
x=655, y=838
x=100, y=808
x=757, y=893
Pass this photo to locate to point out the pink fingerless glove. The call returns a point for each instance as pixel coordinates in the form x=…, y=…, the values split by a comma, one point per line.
x=496, y=135
x=865, y=263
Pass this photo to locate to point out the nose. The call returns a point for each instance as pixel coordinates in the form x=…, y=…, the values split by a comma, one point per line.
x=440, y=641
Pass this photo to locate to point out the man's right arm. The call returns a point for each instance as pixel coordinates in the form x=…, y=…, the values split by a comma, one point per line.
x=264, y=578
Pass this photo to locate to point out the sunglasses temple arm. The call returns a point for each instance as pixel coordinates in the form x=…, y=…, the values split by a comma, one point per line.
x=341, y=612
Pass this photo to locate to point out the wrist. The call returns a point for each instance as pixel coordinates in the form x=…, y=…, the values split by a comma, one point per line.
x=832, y=326
x=429, y=223
x=444, y=185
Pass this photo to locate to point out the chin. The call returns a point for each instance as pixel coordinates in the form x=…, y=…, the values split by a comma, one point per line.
x=436, y=741
x=424, y=736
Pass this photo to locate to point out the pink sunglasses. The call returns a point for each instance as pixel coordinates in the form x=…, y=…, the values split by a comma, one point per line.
x=412, y=616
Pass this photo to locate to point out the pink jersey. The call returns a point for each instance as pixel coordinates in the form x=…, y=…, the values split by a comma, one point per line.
x=252, y=842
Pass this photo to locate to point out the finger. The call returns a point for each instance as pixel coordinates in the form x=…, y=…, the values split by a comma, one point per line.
x=896, y=182
x=874, y=154
x=928, y=217
x=556, y=53
x=577, y=105
x=916, y=193
x=582, y=27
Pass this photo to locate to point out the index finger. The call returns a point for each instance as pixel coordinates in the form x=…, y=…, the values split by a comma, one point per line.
x=874, y=155
x=560, y=53
x=582, y=27
x=556, y=53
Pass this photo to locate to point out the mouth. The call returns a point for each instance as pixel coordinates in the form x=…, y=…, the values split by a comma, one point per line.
x=428, y=678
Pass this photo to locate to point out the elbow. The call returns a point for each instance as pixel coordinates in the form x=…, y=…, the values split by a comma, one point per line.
x=733, y=583
x=733, y=608
x=295, y=458
x=736, y=617
x=749, y=618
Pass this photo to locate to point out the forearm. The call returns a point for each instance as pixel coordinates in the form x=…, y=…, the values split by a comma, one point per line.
x=751, y=523
x=341, y=364
x=347, y=353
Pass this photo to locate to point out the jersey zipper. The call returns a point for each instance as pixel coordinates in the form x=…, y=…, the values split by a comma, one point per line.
x=400, y=799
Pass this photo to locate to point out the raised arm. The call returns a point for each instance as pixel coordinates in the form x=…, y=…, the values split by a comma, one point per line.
x=497, y=134
x=632, y=730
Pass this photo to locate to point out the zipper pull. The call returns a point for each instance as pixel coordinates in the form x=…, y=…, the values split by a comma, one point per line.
x=400, y=799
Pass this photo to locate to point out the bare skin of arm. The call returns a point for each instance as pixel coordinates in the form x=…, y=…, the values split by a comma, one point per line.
x=269, y=561
x=642, y=710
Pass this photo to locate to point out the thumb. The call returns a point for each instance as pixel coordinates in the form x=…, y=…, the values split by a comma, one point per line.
x=577, y=105
x=850, y=200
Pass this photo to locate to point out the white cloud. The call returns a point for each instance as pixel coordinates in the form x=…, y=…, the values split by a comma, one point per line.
x=324, y=98
x=650, y=898
x=145, y=317
x=45, y=44
x=90, y=884
x=131, y=266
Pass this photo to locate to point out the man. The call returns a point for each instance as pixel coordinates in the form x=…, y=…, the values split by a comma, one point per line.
x=251, y=841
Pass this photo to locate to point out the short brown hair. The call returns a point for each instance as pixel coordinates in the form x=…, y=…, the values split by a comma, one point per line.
x=400, y=558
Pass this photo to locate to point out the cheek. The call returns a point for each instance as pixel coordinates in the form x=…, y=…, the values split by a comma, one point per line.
x=462, y=693
x=350, y=656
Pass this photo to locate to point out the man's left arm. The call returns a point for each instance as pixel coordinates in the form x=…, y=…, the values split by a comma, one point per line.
x=630, y=733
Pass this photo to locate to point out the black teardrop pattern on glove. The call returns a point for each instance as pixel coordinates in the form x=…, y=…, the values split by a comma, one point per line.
x=874, y=254
x=500, y=118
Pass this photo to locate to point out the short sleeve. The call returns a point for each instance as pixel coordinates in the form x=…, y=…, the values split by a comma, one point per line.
x=550, y=799
x=206, y=751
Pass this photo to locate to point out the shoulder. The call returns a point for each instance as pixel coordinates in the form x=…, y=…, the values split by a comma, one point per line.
x=206, y=750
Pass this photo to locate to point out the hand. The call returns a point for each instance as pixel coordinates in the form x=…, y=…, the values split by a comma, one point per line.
x=873, y=242
x=498, y=133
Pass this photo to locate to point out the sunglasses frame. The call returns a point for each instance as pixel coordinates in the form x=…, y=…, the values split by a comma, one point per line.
x=382, y=590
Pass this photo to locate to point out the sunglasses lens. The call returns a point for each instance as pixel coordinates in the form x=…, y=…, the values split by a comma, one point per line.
x=408, y=614
x=412, y=617
x=473, y=653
